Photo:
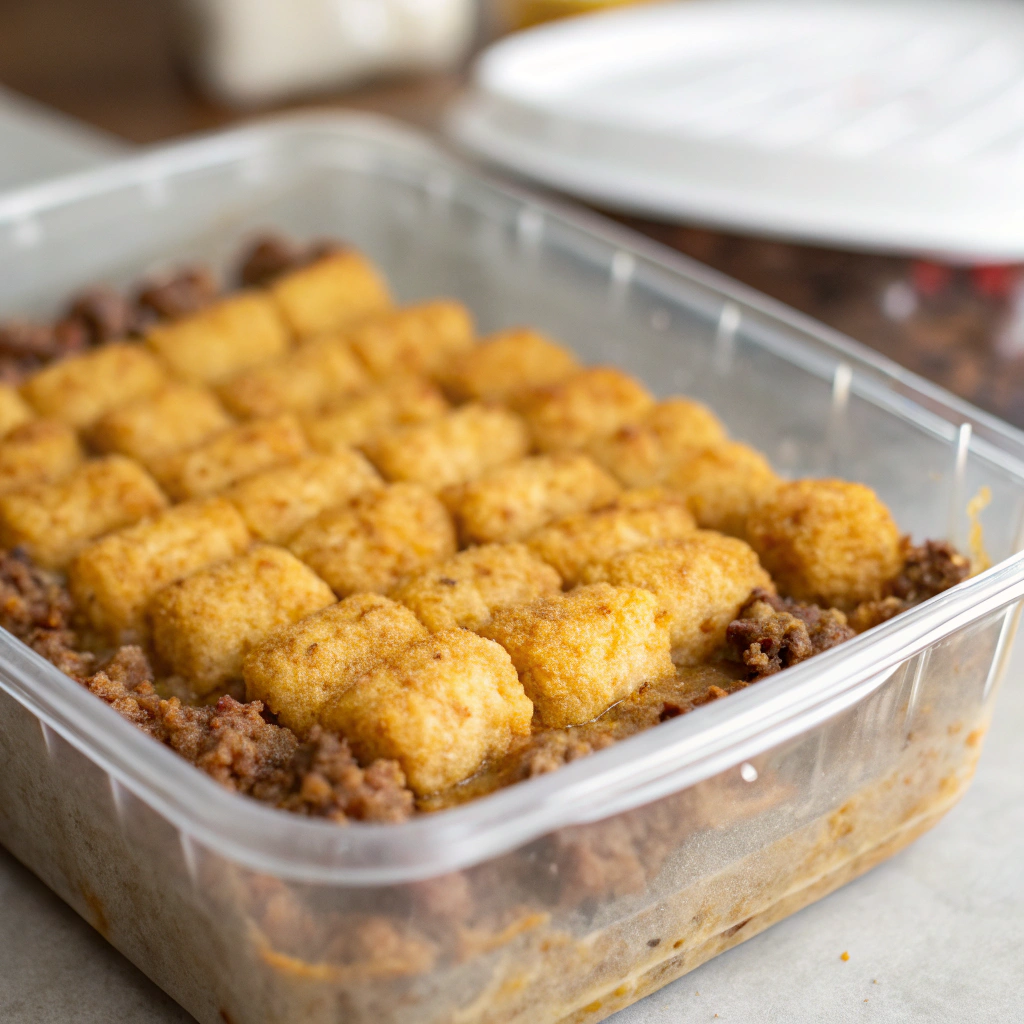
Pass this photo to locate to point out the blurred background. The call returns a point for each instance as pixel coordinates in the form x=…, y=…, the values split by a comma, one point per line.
x=148, y=71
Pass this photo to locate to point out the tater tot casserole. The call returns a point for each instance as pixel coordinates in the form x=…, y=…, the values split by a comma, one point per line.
x=358, y=562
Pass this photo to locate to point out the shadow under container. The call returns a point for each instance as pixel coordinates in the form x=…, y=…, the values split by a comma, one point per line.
x=569, y=896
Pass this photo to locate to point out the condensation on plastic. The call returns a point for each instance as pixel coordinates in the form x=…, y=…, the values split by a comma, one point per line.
x=726, y=819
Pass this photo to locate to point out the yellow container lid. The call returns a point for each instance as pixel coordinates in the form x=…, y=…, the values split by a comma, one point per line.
x=524, y=13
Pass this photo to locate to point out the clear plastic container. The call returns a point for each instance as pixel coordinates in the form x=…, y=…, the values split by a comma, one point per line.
x=571, y=895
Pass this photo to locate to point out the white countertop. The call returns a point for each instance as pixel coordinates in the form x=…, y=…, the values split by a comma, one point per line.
x=935, y=934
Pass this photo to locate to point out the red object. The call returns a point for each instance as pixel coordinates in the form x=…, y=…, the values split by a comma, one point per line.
x=995, y=281
x=930, y=278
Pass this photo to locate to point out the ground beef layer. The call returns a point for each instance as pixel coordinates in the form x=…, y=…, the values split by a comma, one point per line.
x=232, y=742
x=240, y=745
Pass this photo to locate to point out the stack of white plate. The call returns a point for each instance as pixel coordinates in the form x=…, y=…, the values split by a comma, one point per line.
x=886, y=124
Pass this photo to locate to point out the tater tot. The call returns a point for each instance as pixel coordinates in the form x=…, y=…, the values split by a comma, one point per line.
x=354, y=421
x=38, y=452
x=722, y=485
x=13, y=409
x=301, y=382
x=450, y=449
x=578, y=654
x=506, y=363
x=81, y=389
x=53, y=522
x=465, y=590
x=113, y=579
x=377, y=539
x=827, y=542
x=635, y=519
x=641, y=454
x=204, y=625
x=297, y=670
x=418, y=339
x=231, y=456
x=441, y=707
x=511, y=502
x=276, y=503
x=177, y=417
x=701, y=582
x=590, y=404
x=221, y=340
x=330, y=293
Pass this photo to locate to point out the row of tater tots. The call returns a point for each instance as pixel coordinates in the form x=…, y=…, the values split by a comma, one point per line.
x=513, y=538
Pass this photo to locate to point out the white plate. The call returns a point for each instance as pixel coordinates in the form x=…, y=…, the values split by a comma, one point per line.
x=886, y=125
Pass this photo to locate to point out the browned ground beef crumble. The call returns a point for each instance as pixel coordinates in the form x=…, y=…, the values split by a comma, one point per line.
x=230, y=741
x=174, y=295
x=101, y=314
x=233, y=743
x=773, y=633
x=36, y=609
x=270, y=256
x=928, y=570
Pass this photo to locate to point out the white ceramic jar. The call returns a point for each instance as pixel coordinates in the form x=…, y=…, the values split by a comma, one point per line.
x=255, y=51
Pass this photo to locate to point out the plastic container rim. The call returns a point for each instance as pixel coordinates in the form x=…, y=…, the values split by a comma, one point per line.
x=629, y=774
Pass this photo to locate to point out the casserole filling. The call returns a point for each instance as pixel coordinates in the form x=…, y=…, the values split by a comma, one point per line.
x=356, y=562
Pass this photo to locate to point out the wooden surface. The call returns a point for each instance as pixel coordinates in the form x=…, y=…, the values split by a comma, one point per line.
x=117, y=64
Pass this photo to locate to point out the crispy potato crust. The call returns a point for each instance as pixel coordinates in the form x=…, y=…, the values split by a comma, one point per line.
x=113, y=579
x=275, y=504
x=412, y=707
x=641, y=454
x=297, y=670
x=353, y=421
x=418, y=339
x=722, y=485
x=450, y=449
x=14, y=410
x=329, y=294
x=221, y=340
x=304, y=380
x=81, y=389
x=53, y=522
x=701, y=582
x=510, y=502
x=505, y=364
x=589, y=405
x=177, y=417
x=231, y=456
x=38, y=452
x=827, y=542
x=465, y=590
x=635, y=519
x=578, y=654
x=377, y=539
x=204, y=626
